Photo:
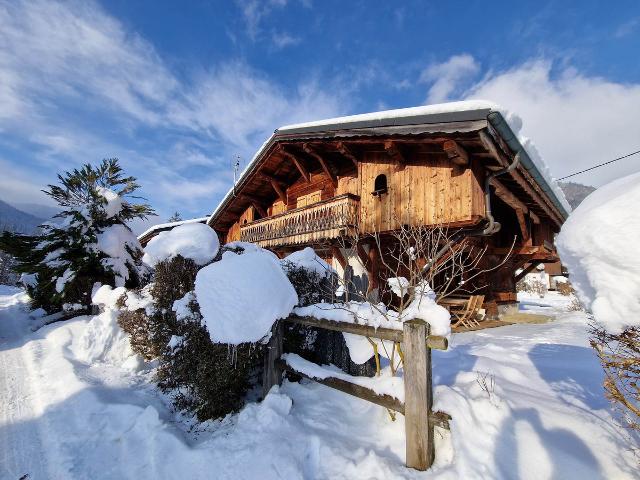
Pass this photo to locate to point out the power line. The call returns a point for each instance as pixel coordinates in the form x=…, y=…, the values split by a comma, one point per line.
x=600, y=165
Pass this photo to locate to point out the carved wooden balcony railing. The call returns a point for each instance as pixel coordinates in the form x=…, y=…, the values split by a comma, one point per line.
x=320, y=221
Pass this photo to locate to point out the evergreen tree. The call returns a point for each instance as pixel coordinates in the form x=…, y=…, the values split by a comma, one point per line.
x=176, y=217
x=90, y=242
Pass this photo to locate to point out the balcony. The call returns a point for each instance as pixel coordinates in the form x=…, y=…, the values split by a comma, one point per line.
x=320, y=221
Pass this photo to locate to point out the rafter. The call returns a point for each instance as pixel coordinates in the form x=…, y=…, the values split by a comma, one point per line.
x=517, y=176
x=256, y=203
x=325, y=167
x=346, y=152
x=303, y=171
x=394, y=152
x=456, y=153
x=277, y=186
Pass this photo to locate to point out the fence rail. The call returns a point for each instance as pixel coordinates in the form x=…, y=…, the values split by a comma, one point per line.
x=418, y=392
x=322, y=220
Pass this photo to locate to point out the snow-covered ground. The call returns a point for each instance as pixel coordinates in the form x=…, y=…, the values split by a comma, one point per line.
x=526, y=402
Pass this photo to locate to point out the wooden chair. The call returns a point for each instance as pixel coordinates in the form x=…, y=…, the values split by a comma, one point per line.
x=467, y=315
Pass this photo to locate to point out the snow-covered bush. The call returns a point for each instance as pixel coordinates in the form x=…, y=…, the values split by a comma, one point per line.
x=203, y=377
x=596, y=245
x=90, y=241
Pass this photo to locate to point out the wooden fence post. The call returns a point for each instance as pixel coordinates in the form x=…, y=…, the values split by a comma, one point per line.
x=272, y=373
x=418, y=398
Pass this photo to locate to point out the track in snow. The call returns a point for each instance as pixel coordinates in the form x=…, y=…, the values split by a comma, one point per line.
x=21, y=449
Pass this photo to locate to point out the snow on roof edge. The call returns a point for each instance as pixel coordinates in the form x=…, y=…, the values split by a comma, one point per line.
x=399, y=113
x=171, y=224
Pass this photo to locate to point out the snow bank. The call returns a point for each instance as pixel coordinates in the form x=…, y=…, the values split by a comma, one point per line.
x=196, y=241
x=598, y=244
x=307, y=259
x=241, y=296
x=544, y=416
x=103, y=340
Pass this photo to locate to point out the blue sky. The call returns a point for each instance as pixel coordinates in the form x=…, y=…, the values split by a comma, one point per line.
x=177, y=89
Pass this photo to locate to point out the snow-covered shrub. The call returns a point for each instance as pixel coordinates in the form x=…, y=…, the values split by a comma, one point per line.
x=564, y=288
x=532, y=284
x=90, y=241
x=206, y=378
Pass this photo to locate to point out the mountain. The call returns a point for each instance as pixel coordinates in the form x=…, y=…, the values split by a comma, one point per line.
x=37, y=209
x=575, y=192
x=16, y=220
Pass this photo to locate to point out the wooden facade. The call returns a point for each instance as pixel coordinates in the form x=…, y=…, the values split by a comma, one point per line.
x=311, y=187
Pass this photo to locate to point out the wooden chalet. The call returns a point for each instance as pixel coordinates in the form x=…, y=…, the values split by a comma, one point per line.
x=311, y=183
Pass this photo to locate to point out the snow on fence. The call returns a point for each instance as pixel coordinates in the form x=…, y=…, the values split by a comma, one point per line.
x=418, y=392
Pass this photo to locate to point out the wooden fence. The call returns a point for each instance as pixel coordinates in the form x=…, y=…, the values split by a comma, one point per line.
x=418, y=392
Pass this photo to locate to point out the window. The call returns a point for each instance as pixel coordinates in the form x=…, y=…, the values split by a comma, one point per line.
x=379, y=185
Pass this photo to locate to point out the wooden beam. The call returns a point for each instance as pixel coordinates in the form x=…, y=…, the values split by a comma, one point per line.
x=260, y=209
x=276, y=184
x=432, y=341
x=392, y=150
x=281, y=193
x=337, y=253
x=363, y=256
x=303, y=171
x=345, y=386
x=524, y=229
x=456, y=153
x=346, y=152
x=272, y=374
x=526, y=270
x=507, y=197
x=517, y=176
x=309, y=149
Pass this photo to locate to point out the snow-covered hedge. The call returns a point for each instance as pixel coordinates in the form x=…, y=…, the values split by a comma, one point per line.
x=598, y=245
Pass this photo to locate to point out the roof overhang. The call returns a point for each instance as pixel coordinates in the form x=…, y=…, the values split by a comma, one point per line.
x=445, y=118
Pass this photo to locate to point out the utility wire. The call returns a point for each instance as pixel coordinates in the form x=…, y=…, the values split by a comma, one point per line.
x=600, y=165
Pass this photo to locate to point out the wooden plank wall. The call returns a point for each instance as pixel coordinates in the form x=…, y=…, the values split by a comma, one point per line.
x=427, y=191
x=233, y=234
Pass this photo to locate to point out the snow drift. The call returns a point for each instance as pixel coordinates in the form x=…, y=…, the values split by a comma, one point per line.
x=598, y=245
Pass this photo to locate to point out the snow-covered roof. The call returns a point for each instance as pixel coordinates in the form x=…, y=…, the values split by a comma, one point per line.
x=169, y=225
x=439, y=113
x=437, y=116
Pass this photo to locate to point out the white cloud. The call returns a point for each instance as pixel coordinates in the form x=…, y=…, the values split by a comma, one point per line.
x=283, y=39
x=75, y=51
x=244, y=107
x=627, y=28
x=255, y=11
x=77, y=86
x=576, y=121
x=446, y=77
